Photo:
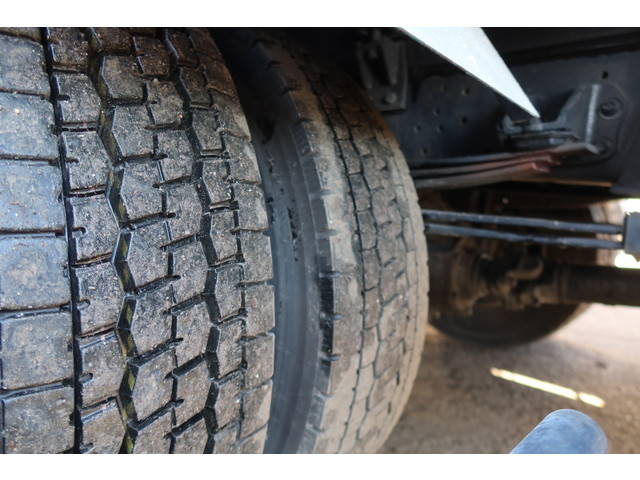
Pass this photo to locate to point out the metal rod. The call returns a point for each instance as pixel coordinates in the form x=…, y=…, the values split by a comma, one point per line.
x=457, y=231
x=444, y=216
x=474, y=167
x=565, y=150
x=485, y=177
x=597, y=284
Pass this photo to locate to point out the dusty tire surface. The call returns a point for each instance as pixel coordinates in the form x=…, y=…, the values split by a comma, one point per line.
x=350, y=259
x=135, y=301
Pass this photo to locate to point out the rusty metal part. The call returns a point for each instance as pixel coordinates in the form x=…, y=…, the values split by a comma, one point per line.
x=566, y=150
x=477, y=170
x=573, y=284
x=486, y=177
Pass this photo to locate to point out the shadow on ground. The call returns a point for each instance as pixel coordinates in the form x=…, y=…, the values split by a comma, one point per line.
x=458, y=406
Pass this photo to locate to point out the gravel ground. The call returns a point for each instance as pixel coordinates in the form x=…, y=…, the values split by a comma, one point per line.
x=458, y=406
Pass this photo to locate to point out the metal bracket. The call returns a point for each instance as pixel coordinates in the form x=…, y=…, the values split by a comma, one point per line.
x=382, y=61
x=586, y=128
x=459, y=172
x=592, y=114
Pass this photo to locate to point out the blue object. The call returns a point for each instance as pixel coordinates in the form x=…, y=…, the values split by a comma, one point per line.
x=564, y=431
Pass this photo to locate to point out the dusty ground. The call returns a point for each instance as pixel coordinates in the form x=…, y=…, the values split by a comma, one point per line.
x=458, y=406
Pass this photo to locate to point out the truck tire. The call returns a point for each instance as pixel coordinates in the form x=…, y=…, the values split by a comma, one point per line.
x=135, y=297
x=350, y=259
x=502, y=327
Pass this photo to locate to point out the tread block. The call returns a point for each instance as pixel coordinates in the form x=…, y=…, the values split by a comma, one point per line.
x=150, y=31
x=388, y=279
x=36, y=350
x=344, y=333
x=369, y=346
x=177, y=159
x=226, y=348
x=181, y=49
x=255, y=443
x=205, y=126
x=256, y=249
x=152, y=385
x=76, y=99
x=371, y=307
x=389, y=357
x=226, y=402
x=165, y=103
x=29, y=262
x=193, y=439
x=26, y=127
x=349, y=155
x=224, y=441
x=127, y=134
x=381, y=393
x=29, y=195
x=203, y=43
x=227, y=290
x=102, y=429
x=69, y=49
x=39, y=422
x=194, y=86
x=190, y=265
x=391, y=316
x=147, y=321
x=259, y=304
x=185, y=211
x=102, y=361
x=140, y=258
x=367, y=227
x=193, y=327
x=371, y=269
x=365, y=382
x=361, y=196
x=232, y=119
x=388, y=244
x=136, y=193
x=221, y=239
x=380, y=207
x=217, y=76
x=22, y=67
x=110, y=40
x=243, y=164
x=94, y=228
x=214, y=182
x=32, y=33
x=258, y=357
x=152, y=56
x=192, y=390
x=87, y=162
x=153, y=437
x=255, y=407
x=99, y=295
x=120, y=81
x=252, y=214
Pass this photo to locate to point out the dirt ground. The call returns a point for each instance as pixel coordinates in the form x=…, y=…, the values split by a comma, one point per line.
x=459, y=406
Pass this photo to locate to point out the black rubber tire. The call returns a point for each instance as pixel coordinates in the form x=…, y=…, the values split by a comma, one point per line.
x=135, y=304
x=350, y=259
x=501, y=327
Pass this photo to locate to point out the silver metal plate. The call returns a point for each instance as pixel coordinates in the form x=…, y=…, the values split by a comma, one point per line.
x=471, y=50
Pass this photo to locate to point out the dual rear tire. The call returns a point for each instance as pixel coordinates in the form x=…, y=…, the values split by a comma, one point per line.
x=176, y=279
